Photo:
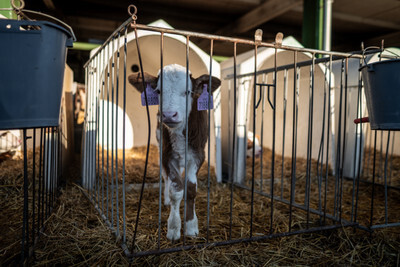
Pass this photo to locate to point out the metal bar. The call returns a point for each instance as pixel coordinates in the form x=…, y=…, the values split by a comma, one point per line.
x=40, y=190
x=273, y=141
x=320, y=158
x=264, y=78
x=102, y=128
x=112, y=129
x=124, y=138
x=285, y=88
x=327, y=138
x=254, y=141
x=148, y=142
x=233, y=140
x=385, y=177
x=238, y=241
x=161, y=137
x=294, y=137
x=344, y=135
x=123, y=26
x=47, y=176
x=338, y=147
x=116, y=132
x=33, y=183
x=108, y=128
x=373, y=185
x=386, y=225
x=209, y=141
x=25, y=223
x=98, y=103
x=42, y=175
x=186, y=139
x=309, y=139
x=304, y=63
x=244, y=41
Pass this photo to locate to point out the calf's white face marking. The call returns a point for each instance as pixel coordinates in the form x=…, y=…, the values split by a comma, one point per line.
x=175, y=79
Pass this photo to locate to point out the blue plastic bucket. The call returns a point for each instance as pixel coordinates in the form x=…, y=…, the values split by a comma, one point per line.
x=32, y=56
x=382, y=91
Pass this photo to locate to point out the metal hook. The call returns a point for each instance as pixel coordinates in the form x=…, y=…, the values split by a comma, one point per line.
x=132, y=14
x=22, y=5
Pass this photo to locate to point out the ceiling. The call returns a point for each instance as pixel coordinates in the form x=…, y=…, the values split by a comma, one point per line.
x=353, y=21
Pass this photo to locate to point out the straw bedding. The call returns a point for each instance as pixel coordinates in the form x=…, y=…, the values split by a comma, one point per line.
x=75, y=234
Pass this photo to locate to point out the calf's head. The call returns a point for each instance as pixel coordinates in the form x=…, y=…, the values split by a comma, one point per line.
x=174, y=91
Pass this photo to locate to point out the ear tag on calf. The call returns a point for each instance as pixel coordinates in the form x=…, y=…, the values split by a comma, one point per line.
x=152, y=97
x=202, y=101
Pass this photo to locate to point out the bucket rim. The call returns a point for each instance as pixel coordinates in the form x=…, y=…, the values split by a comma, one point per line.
x=69, y=33
x=381, y=62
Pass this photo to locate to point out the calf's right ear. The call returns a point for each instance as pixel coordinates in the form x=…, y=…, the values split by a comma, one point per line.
x=137, y=81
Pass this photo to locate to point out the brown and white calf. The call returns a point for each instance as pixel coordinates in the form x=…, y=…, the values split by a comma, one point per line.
x=173, y=144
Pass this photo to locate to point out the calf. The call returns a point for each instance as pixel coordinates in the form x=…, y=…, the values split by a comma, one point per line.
x=174, y=132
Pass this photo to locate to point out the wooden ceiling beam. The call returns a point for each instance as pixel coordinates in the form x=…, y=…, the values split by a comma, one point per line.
x=358, y=19
x=263, y=13
x=391, y=39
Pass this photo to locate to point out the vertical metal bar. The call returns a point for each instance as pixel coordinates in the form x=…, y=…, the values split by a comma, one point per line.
x=285, y=88
x=186, y=139
x=108, y=130
x=102, y=130
x=273, y=141
x=40, y=181
x=359, y=173
x=373, y=185
x=116, y=133
x=25, y=223
x=391, y=159
x=310, y=139
x=209, y=141
x=33, y=183
x=48, y=169
x=357, y=163
x=385, y=178
x=87, y=130
x=320, y=158
x=328, y=137
x=41, y=172
x=338, y=147
x=112, y=131
x=254, y=140
x=294, y=137
x=148, y=142
x=344, y=138
x=124, y=137
x=161, y=137
x=98, y=90
x=233, y=139
x=265, y=80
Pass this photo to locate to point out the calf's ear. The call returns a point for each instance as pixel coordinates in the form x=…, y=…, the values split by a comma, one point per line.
x=199, y=82
x=137, y=81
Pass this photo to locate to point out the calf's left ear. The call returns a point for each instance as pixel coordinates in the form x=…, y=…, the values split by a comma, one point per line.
x=137, y=81
x=199, y=82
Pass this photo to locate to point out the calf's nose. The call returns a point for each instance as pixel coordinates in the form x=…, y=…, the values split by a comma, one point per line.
x=170, y=116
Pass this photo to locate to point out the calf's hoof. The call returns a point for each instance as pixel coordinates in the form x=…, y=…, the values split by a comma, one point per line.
x=192, y=227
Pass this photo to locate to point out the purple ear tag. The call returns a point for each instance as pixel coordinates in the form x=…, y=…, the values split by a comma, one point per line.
x=202, y=101
x=152, y=96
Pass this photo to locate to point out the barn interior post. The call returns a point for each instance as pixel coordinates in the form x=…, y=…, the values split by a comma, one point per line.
x=313, y=21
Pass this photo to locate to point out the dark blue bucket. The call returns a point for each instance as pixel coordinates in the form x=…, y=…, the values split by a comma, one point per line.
x=33, y=55
x=382, y=90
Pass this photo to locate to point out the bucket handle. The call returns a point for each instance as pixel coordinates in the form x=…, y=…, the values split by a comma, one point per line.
x=364, y=58
x=20, y=11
